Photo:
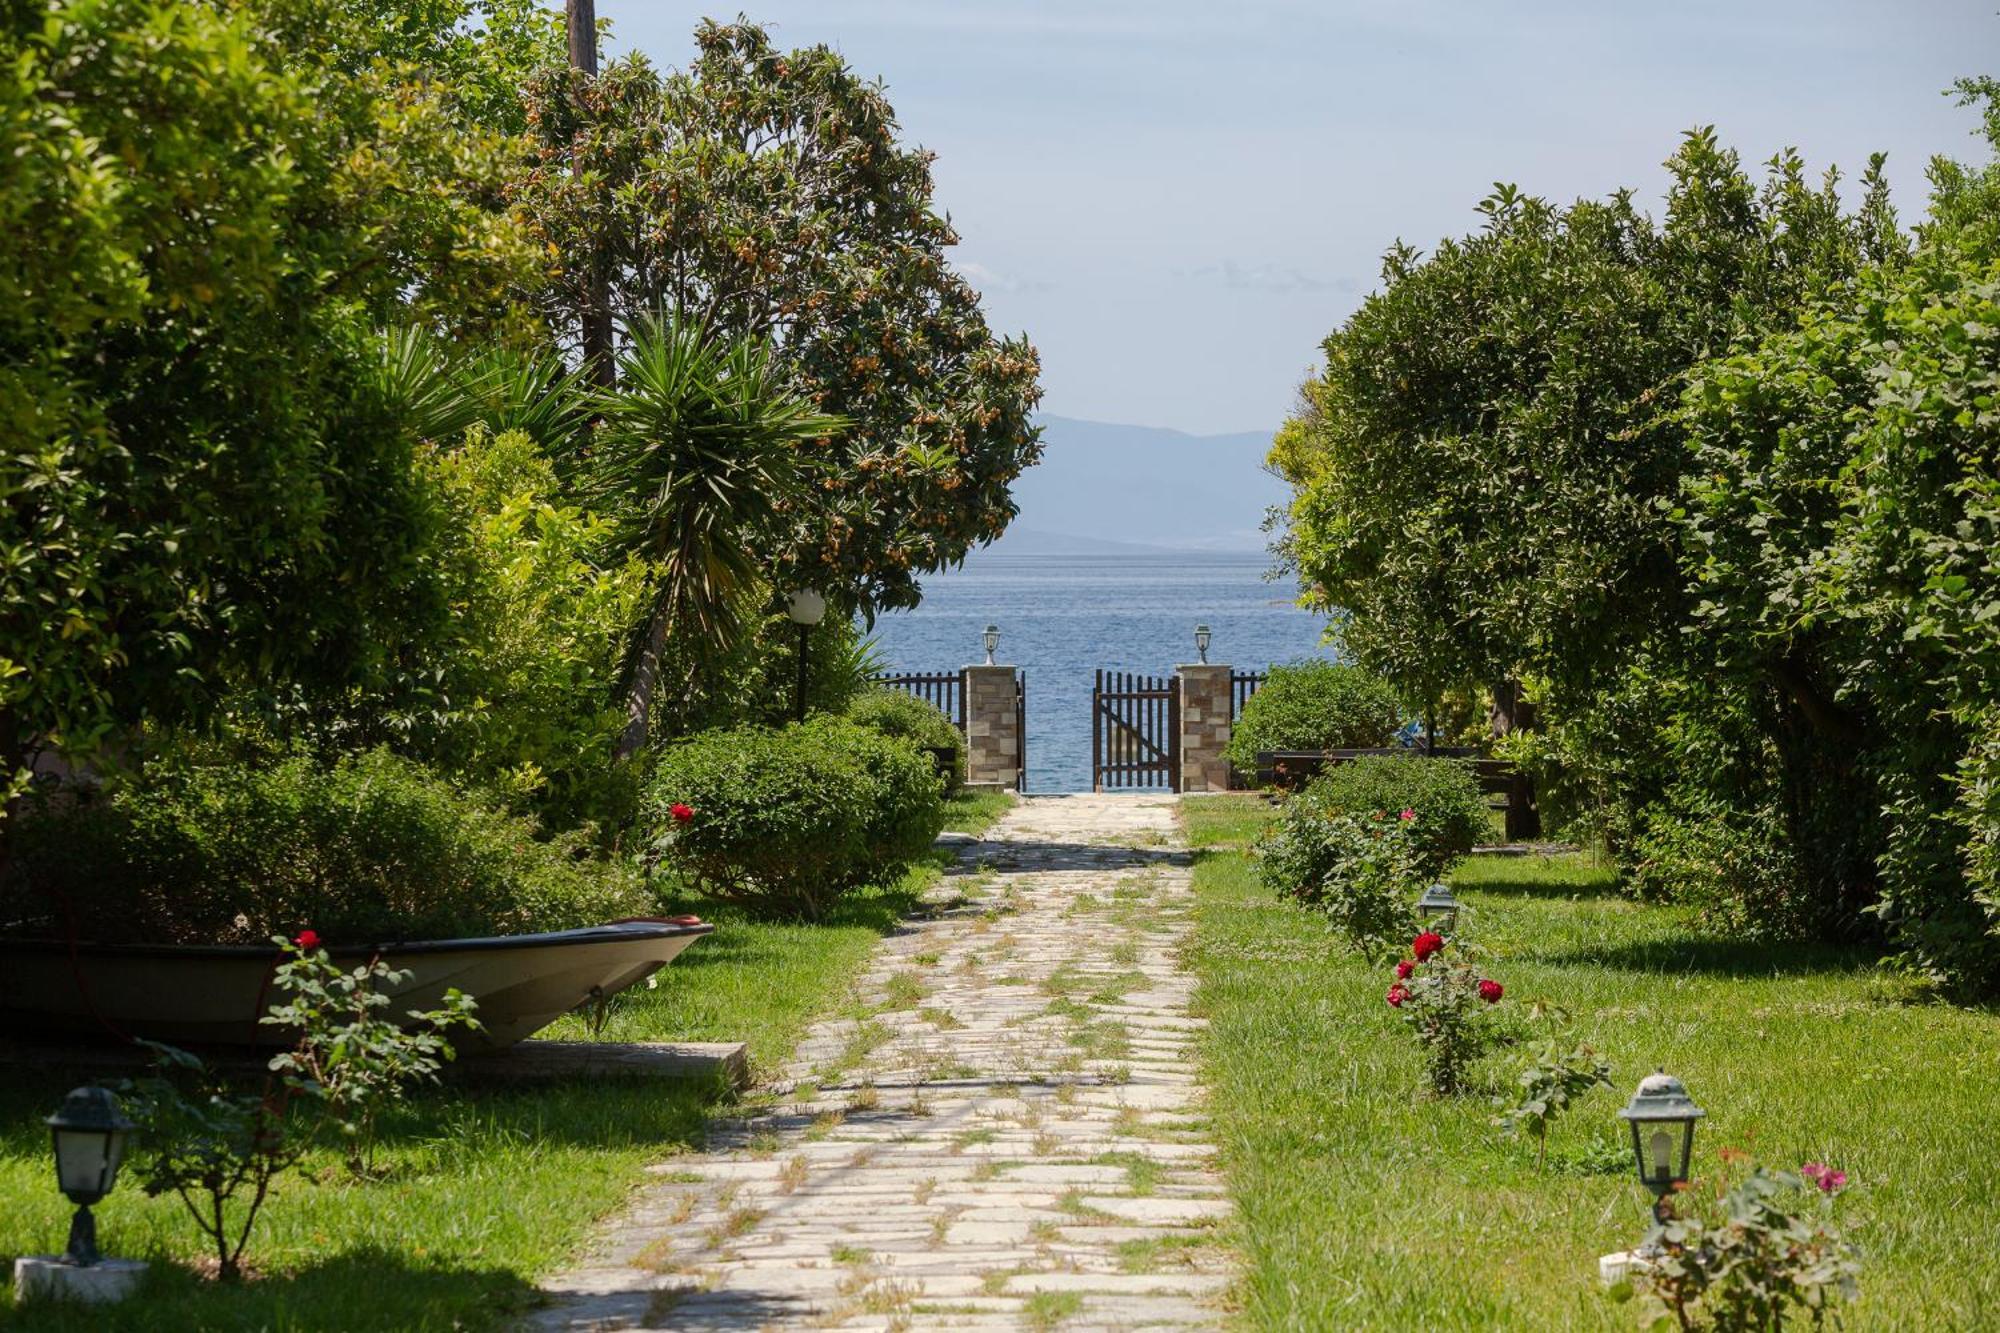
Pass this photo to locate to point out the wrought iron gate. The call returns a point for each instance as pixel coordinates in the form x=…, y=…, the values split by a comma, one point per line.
x=1135, y=731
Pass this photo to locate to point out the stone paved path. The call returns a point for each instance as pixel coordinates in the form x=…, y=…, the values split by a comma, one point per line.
x=1004, y=1134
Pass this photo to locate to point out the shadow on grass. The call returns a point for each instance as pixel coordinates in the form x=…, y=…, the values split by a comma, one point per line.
x=1537, y=877
x=1710, y=956
x=367, y=1287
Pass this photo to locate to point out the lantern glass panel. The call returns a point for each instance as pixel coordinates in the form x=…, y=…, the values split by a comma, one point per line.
x=83, y=1162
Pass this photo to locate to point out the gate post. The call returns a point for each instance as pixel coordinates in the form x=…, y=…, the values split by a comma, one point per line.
x=1207, y=709
x=992, y=726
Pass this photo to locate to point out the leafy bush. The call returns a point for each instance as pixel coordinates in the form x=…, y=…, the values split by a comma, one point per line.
x=1558, y=1072
x=1314, y=706
x=347, y=1054
x=1361, y=870
x=371, y=847
x=903, y=715
x=1753, y=1258
x=1451, y=813
x=1735, y=874
x=788, y=820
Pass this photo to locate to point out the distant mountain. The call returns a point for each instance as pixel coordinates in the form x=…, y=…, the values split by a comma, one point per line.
x=1105, y=487
x=1031, y=541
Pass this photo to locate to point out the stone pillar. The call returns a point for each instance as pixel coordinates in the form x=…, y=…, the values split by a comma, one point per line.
x=1206, y=713
x=992, y=727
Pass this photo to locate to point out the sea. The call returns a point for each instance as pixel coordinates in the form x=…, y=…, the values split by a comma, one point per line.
x=1061, y=617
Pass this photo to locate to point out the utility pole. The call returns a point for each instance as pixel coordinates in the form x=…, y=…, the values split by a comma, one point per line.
x=595, y=316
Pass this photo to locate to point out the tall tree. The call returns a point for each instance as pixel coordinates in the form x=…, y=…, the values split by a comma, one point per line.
x=765, y=194
x=1489, y=478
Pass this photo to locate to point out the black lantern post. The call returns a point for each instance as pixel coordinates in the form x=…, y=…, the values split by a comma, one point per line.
x=992, y=638
x=1662, y=1117
x=806, y=608
x=89, y=1131
x=1439, y=907
x=1201, y=637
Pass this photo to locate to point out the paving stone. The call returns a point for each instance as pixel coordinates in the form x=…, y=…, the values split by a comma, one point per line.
x=954, y=1171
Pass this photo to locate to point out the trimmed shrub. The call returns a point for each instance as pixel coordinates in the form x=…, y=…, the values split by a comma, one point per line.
x=370, y=848
x=1314, y=706
x=1360, y=870
x=787, y=821
x=1451, y=813
x=903, y=715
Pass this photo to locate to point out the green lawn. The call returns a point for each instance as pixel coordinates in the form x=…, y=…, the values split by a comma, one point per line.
x=488, y=1190
x=1365, y=1205
x=1230, y=820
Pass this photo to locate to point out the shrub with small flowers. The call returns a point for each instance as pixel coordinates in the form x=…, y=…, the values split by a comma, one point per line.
x=1446, y=1003
x=1362, y=871
x=1765, y=1249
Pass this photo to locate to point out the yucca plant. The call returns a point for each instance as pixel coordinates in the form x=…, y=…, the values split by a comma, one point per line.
x=695, y=454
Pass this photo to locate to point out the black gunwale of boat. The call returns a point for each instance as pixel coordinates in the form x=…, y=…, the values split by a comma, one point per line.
x=606, y=934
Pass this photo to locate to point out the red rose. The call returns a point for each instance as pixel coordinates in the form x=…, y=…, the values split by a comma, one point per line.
x=1426, y=944
x=1407, y=815
x=1397, y=994
x=681, y=813
x=1491, y=991
x=1404, y=968
x=307, y=939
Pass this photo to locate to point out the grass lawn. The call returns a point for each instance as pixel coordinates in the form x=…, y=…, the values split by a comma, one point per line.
x=1365, y=1205
x=488, y=1190
x=1230, y=820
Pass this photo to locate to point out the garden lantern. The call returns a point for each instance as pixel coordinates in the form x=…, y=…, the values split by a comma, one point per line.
x=89, y=1132
x=1201, y=636
x=1662, y=1117
x=992, y=637
x=805, y=607
x=1438, y=907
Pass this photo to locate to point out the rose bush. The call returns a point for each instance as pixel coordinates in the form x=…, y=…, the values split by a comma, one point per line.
x=1751, y=1257
x=1445, y=1002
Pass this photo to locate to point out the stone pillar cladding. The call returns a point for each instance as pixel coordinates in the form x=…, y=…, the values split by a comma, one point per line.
x=992, y=729
x=1206, y=714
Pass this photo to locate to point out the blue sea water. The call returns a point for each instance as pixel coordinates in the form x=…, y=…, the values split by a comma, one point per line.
x=1063, y=616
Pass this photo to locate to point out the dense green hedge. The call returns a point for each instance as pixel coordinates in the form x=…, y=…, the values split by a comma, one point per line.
x=787, y=820
x=368, y=848
x=902, y=714
x=1451, y=814
x=1314, y=706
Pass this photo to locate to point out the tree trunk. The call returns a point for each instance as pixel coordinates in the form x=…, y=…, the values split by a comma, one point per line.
x=594, y=317
x=1511, y=712
x=639, y=693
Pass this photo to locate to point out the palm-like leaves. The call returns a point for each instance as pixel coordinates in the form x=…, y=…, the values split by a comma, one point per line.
x=439, y=392
x=697, y=450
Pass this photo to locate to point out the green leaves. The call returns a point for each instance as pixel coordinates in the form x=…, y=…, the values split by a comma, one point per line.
x=764, y=194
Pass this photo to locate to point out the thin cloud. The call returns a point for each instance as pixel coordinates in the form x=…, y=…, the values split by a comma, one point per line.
x=990, y=280
x=1279, y=278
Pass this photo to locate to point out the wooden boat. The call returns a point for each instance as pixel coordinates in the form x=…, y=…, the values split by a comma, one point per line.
x=213, y=995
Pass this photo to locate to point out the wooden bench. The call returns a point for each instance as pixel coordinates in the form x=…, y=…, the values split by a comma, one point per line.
x=1504, y=785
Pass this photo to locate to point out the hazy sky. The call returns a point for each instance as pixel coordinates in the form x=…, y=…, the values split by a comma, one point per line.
x=1177, y=199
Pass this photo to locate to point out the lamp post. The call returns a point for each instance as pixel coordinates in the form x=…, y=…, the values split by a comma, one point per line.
x=1201, y=637
x=1439, y=907
x=1662, y=1117
x=992, y=638
x=806, y=607
x=89, y=1132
